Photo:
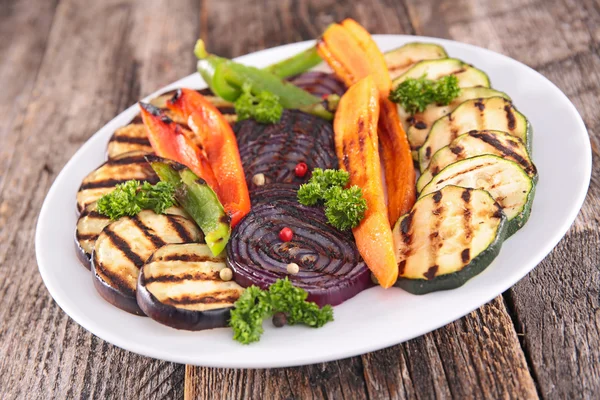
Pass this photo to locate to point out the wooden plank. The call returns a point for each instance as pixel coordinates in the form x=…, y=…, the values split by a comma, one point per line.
x=64, y=75
x=556, y=306
x=477, y=356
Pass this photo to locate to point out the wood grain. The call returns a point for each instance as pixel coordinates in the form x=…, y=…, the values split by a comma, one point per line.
x=68, y=71
x=71, y=66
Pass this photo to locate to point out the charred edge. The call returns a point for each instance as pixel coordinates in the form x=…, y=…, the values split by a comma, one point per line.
x=505, y=151
x=510, y=116
x=225, y=296
x=430, y=274
x=466, y=196
x=156, y=241
x=124, y=247
x=421, y=125
x=498, y=213
x=186, y=257
x=465, y=255
x=401, y=267
x=176, y=96
x=479, y=104
x=200, y=276
x=151, y=158
x=86, y=236
x=153, y=110
x=182, y=232
x=224, y=219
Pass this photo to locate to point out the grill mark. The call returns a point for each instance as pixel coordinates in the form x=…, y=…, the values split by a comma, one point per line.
x=401, y=267
x=512, y=122
x=437, y=197
x=199, y=276
x=498, y=213
x=224, y=296
x=430, y=274
x=456, y=150
x=131, y=140
x=405, y=227
x=428, y=152
x=465, y=255
x=479, y=104
x=466, y=196
x=436, y=242
x=463, y=172
x=155, y=239
x=488, y=138
x=421, y=125
x=104, y=183
x=182, y=232
x=123, y=247
x=137, y=159
x=113, y=280
x=188, y=257
x=86, y=236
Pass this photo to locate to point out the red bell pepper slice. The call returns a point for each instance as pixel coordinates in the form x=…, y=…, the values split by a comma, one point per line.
x=220, y=145
x=169, y=141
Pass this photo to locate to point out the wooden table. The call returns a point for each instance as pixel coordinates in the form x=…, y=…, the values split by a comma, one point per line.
x=67, y=67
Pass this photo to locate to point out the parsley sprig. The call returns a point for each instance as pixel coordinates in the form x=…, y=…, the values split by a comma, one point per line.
x=254, y=305
x=344, y=208
x=414, y=95
x=263, y=107
x=131, y=197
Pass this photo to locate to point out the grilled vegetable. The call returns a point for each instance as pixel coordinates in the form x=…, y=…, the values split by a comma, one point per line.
x=198, y=200
x=417, y=126
x=320, y=84
x=476, y=143
x=180, y=286
x=357, y=147
x=330, y=267
x=493, y=113
x=124, y=246
x=226, y=78
x=296, y=64
x=91, y=223
x=219, y=143
x=448, y=237
x=505, y=180
x=401, y=59
x=467, y=75
x=121, y=169
x=169, y=141
x=132, y=137
x=415, y=94
x=275, y=150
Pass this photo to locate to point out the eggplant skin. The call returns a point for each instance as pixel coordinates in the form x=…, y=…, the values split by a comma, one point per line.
x=179, y=318
x=113, y=296
x=82, y=256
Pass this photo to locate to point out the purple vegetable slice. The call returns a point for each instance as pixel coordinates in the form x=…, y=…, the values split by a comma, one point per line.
x=331, y=269
x=319, y=83
x=180, y=286
x=274, y=193
x=275, y=150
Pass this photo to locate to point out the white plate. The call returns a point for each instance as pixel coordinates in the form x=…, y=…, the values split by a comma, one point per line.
x=374, y=319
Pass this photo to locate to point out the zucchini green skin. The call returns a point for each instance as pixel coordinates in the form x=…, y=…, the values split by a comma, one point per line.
x=519, y=221
x=459, y=278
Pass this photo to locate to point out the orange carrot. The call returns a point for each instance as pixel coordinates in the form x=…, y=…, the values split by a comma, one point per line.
x=356, y=144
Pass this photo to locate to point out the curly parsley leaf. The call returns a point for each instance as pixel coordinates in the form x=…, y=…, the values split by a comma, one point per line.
x=414, y=95
x=254, y=305
x=263, y=107
x=131, y=197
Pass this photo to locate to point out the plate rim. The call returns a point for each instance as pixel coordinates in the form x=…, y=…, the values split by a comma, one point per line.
x=360, y=348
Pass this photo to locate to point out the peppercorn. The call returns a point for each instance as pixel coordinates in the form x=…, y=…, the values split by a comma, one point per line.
x=293, y=268
x=226, y=274
x=258, y=179
x=279, y=319
x=301, y=170
x=286, y=234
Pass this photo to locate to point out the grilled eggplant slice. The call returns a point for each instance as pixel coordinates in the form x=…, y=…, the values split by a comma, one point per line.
x=477, y=143
x=448, y=237
x=493, y=113
x=401, y=59
x=90, y=225
x=417, y=126
x=180, y=286
x=124, y=246
x=103, y=180
x=467, y=75
x=132, y=137
x=505, y=180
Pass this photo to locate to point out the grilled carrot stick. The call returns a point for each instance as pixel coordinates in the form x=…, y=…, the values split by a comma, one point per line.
x=356, y=144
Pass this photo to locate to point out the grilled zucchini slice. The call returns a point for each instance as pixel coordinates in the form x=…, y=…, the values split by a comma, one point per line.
x=476, y=143
x=132, y=137
x=493, y=113
x=180, y=286
x=103, y=180
x=124, y=246
x=505, y=180
x=401, y=59
x=468, y=76
x=417, y=126
x=448, y=237
x=90, y=225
